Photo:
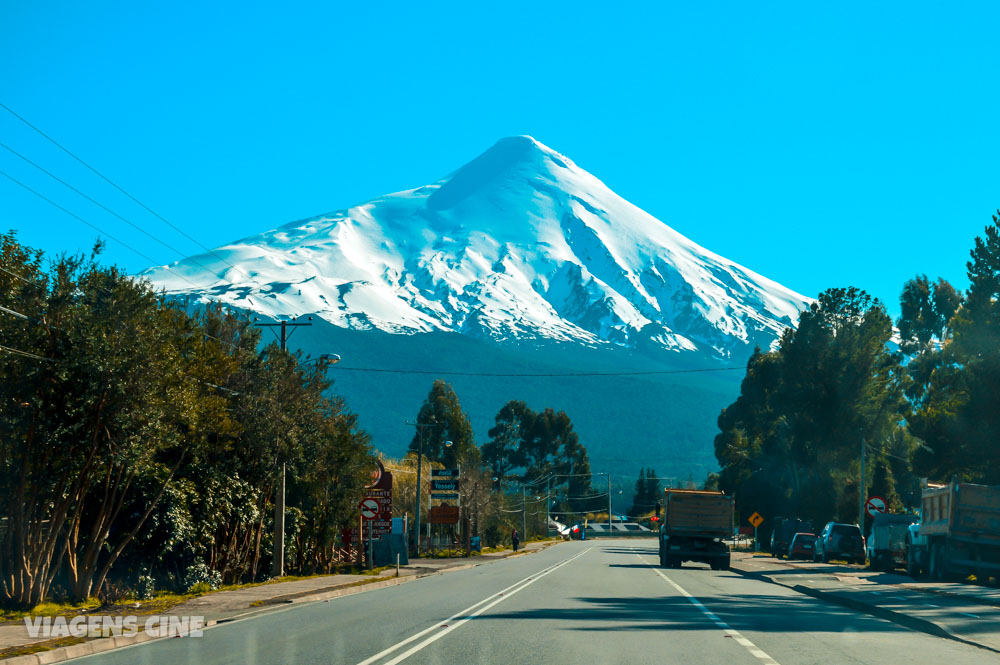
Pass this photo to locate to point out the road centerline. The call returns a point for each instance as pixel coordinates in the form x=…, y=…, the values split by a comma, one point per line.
x=446, y=626
x=738, y=637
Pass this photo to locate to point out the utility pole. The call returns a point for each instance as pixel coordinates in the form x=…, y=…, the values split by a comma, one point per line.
x=548, y=485
x=420, y=457
x=524, y=513
x=609, y=504
x=278, y=559
x=861, y=485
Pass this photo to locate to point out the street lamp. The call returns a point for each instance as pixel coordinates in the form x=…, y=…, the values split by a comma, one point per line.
x=278, y=558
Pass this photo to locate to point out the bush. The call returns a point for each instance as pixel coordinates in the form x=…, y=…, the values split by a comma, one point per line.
x=145, y=587
x=199, y=574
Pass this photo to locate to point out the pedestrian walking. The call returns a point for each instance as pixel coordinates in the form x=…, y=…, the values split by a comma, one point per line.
x=514, y=539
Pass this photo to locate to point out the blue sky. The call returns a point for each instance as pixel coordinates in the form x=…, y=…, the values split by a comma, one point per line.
x=844, y=145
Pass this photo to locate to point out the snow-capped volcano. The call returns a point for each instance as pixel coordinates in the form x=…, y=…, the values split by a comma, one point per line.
x=520, y=243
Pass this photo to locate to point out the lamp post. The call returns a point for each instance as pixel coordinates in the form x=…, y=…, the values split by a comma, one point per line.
x=278, y=559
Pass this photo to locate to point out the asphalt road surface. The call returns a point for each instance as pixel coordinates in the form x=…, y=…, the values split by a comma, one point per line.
x=581, y=603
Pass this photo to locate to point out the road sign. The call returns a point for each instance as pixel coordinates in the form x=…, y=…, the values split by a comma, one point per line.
x=445, y=496
x=444, y=473
x=379, y=491
x=444, y=485
x=756, y=520
x=876, y=505
x=444, y=515
x=376, y=474
x=369, y=509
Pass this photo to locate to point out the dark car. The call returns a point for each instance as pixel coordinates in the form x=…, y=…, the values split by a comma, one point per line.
x=784, y=530
x=840, y=541
x=802, y=546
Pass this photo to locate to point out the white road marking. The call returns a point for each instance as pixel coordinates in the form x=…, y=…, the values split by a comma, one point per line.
x=735, y=634
x=464, y=615
x=974, y=616
x=930, y=605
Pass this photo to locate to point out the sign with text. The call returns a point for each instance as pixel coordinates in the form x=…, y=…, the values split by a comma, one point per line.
x=444, y=485
x=445, y=496
x=444, y=515
x=444, y=473
x=381, y=493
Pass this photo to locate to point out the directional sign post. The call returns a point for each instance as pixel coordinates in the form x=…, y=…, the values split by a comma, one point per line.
x=756, y=520
x=876, y=505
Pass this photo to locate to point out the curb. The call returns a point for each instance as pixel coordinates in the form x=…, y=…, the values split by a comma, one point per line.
x=899, y=618
x=100, y=645
x=329, y=592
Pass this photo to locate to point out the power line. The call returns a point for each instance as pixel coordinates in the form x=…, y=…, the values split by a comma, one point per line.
x=26, y=354
x=529, y=375
x=120, y=189
x=105, y=208
x=22, y=278
x=96, y=228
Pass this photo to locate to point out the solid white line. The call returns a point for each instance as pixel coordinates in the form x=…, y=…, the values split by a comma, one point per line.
x=735, y=634
x=498, y=596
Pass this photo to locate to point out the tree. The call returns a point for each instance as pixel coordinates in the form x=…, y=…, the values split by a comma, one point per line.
x=503, y=452
x=647, y=493
x=789, y=444
x=443, y=411
x=958, y=415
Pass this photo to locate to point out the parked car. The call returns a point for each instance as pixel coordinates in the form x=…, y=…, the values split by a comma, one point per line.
x=840, y=541
x=802, y=546
x=784, y=530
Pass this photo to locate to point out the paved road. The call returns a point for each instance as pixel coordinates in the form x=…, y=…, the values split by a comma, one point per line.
x=592, y=603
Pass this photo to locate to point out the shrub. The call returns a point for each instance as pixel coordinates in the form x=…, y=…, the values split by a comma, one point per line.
x=145, y=587
x=199, y=574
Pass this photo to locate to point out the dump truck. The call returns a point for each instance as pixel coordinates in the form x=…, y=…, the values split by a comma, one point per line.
x=960, y=524
x=886, y=544
x=695, y=526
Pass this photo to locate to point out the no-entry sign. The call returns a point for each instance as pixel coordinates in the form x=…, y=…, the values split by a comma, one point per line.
x=876, y=505
x=369, y=509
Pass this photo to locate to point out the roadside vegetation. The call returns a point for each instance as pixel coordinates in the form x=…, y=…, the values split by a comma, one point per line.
x=144, y=439
x=923, y=404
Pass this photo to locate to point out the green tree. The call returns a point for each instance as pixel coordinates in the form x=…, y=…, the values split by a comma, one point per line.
x=443, y=411
x=503, y=452
x=790, y=442
x=647, y=493
x=958, y=416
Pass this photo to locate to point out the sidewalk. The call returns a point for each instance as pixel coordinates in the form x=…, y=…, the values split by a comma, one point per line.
x=962, y=612
x=223, y=606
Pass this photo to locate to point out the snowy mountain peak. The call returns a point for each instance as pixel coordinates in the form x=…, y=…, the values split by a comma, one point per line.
x=518, y=243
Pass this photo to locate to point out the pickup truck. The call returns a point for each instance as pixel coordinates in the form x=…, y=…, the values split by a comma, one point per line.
x=695, y=526
x=886, y=544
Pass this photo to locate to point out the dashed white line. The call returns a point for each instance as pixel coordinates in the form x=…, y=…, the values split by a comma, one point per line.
x=974, y=616
x=735, y=634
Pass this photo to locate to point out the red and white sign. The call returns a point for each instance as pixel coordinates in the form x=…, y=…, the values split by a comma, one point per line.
x=381, y=493
x=369, y=509
x=876, y=505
